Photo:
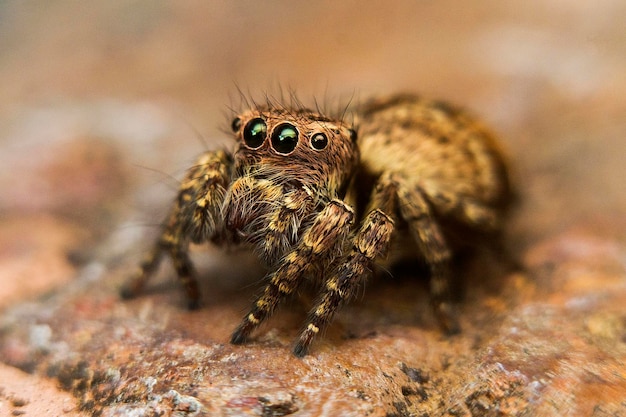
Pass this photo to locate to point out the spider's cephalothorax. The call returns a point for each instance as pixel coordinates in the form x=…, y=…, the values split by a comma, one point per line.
x=313, y=200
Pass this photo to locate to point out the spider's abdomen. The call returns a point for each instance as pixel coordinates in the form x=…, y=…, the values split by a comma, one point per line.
x=432, y=146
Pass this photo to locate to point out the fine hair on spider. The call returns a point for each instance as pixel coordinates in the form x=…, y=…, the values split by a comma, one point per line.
x=323, y=199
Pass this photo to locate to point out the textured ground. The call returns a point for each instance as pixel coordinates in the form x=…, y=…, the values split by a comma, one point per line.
x=102, y=107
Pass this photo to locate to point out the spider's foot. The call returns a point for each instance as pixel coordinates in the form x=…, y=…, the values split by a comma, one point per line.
x=238, y=337
x=193, y=304
x=300, y=350
x=242, y=334
x=447, y=315
x=304, y=342
x=129, y=291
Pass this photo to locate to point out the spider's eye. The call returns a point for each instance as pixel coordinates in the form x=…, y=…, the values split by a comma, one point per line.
x=319, y=141
x=236, y=124
x=255, y=132
x=353, y=135
x=285, y=138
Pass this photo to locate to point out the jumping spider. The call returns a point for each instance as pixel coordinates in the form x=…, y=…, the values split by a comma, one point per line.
x=314, y=199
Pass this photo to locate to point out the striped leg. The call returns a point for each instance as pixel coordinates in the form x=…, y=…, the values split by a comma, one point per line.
x=148, y=266
x=317, y=245
x=195, y=216
x=433, y=247
x=371, y=241
x=168, y=243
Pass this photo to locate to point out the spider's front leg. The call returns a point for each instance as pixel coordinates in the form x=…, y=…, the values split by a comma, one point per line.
x=317, y=245
x=371, y=241
x=194, y=217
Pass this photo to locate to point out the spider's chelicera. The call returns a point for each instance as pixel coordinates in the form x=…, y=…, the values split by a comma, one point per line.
x=315, y=199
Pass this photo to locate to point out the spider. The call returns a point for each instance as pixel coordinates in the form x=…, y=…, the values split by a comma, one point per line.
x=315, y=199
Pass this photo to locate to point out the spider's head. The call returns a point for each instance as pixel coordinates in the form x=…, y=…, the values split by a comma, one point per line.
x=295, y=146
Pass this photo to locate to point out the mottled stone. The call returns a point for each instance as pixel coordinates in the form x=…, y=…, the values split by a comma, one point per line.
x=30, y=395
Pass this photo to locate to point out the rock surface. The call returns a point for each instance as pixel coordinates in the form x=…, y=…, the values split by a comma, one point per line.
x=92, y=144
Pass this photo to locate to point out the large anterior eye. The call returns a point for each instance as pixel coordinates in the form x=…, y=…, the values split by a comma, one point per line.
x=255, y=132
x=285, y=138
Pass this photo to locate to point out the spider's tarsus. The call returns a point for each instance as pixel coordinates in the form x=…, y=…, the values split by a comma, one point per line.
x=238, y=338
x=127, y=293
x=452, y=327
x=447, y=318
x=300, y=350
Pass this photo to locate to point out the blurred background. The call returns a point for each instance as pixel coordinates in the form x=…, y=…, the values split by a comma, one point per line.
x=103, y=105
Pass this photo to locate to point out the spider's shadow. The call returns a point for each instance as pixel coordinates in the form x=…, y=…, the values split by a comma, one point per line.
x=393, y=296
x=400, y=295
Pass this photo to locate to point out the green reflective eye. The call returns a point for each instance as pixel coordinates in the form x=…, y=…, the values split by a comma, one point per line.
x=255, y=132
x=285, y=138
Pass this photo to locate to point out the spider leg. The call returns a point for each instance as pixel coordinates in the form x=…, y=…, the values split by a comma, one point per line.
x=173, y=243
x=371, y=241
x=316, y=246
x=432, y=245
x=148, y=265
x=468, y=210
x=195, y=217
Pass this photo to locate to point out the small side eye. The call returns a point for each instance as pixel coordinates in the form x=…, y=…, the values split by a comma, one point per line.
x=255, y=132
x=319, y=141
x=285, y=138
x=236, y=124
x=353, y=135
